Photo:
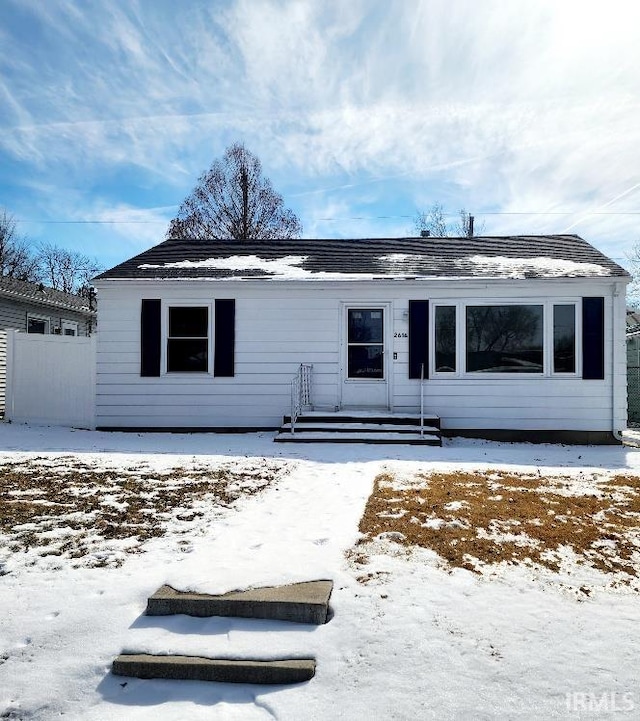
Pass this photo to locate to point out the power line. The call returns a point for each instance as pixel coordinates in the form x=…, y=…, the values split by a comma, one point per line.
x=95, y=222
x=350, y=217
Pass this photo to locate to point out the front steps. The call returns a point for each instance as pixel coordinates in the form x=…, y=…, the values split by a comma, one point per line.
x=306, y=602
x=199, y=668
x=361, y=427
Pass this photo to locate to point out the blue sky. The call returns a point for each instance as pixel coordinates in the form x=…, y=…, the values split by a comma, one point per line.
x=526, y=113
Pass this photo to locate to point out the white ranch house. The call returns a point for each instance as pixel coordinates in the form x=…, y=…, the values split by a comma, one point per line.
x=506, y=337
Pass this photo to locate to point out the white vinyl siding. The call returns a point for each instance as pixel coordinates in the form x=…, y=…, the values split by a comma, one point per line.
x=279, y=325
x=3, y=369
x=13, y=315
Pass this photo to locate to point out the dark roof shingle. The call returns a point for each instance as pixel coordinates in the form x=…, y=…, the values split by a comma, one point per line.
x=39, y=293
x=548, y=256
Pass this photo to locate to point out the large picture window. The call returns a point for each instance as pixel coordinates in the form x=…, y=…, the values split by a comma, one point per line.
x=188, y=339
x=504, y=339
x=536, y=338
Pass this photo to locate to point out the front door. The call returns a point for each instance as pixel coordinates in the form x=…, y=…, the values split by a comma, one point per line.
x=364, y=365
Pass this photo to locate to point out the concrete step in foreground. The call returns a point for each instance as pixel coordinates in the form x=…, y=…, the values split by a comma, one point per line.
x=298, y=602
x=197, y=668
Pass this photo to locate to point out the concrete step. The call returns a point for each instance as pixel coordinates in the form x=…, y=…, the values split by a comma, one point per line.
x=371, y=417
x=198, y=668
x=347, y=427
x=301, y=436
x=306, y=602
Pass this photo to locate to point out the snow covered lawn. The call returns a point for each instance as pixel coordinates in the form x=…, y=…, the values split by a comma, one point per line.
x=493, y=519
x=66, y=507
x=412, y=636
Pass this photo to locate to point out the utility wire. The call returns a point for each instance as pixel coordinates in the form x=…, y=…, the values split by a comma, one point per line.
x=350, y=217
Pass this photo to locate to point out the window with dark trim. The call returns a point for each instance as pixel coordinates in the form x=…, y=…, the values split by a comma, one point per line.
x=564, y=338
x=38, y=324
x=538, y=338
x=504, y=339
x=188, y=339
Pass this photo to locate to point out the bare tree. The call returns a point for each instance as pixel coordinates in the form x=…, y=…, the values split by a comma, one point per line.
x=66, y=270
x=467, y=226
x=434, y=222
x=233, y=200
x=16, y=259
x=633, y=289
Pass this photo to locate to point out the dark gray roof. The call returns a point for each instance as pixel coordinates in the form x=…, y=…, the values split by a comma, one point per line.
x=548, y=256
x=41, y=294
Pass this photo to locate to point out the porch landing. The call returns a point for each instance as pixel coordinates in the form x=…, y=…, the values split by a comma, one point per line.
x=360, y=426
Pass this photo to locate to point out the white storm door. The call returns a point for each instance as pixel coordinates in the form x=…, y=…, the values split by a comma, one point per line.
x=364, y=364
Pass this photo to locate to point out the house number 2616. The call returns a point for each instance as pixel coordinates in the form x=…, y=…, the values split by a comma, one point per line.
x=400, y=335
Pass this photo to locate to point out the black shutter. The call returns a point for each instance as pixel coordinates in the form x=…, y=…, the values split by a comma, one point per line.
x=150, y=339
x=224, y=338
x=418, y=338
x=593, y=338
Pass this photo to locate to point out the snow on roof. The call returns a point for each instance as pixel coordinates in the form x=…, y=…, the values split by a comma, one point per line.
x=405, y=263
x=251, y=266
x=287, y=266
x=504, y=267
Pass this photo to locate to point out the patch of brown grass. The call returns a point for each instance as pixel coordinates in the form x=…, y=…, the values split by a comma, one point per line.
x=65, y=507
x=479, y=518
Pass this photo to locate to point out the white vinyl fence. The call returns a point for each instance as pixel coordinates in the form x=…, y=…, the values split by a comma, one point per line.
x=3, y=368
x=51, y=379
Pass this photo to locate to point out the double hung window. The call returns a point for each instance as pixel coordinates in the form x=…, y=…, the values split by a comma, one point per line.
x=188, y=339
x=194, y=337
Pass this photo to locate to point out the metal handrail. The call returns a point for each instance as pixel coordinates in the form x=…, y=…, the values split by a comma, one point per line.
x=300, y=393
x=421, y=400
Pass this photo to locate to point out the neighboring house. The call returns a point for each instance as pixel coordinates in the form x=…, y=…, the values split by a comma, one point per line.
x=633, y=319
x=34, y=308
x=516, y=337
x=633, y=365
